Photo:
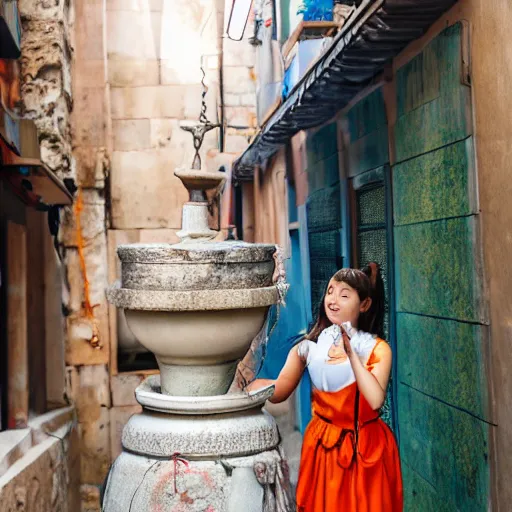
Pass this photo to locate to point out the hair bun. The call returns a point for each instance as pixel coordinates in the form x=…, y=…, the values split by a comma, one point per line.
x=372, y=271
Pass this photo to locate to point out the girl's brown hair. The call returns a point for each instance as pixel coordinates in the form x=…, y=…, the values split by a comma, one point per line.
x=368, y=283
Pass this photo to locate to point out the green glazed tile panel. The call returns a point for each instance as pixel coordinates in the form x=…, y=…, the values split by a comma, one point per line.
x=324, y=210
x=324, y=173
x=437, y=269
x=322, y=144
x=435, y=185
x=443, y=358
x=445, y=447
x=324, y=244
x=367, y=116
x=433, y=106
x=369, y=152
x=420, y=495
x=366, y=126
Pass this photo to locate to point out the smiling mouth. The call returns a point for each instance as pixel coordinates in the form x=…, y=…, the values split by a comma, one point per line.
x=334, y=309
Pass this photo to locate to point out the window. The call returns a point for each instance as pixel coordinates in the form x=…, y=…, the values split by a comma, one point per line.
x=372, y=228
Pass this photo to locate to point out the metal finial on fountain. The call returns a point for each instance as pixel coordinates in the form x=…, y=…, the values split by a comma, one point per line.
x=194, y=225
x=198, y=132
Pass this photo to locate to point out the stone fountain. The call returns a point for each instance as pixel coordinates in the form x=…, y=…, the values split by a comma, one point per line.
x=197, y=306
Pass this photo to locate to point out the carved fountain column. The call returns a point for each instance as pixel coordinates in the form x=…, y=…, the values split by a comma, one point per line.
x=197, y=305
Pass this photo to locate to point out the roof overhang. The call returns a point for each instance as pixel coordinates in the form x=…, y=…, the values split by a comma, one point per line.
x=376, y=32
x=29, y=177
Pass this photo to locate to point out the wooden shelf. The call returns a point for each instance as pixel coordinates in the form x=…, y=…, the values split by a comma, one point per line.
x=309, y=30
x=15, y=168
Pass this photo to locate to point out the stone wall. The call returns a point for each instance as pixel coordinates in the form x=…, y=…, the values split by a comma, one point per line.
x=108, y=85
x=42, y=462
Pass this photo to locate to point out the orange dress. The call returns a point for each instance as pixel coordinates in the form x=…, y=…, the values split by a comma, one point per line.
x=347, y=465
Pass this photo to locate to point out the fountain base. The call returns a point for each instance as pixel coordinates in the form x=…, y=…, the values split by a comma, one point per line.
x=219, y=453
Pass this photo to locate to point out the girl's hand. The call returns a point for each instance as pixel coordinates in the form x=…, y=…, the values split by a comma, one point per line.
x=346, y=343
x=258, y=384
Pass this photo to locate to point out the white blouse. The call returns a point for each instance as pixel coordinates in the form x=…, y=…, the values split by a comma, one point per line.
x=334, y=377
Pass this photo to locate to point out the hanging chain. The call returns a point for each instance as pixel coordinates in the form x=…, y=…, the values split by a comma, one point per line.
x=202, y=116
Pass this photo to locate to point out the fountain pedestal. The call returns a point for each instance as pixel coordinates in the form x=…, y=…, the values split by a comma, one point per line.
x=203, y=454
x=197, y=305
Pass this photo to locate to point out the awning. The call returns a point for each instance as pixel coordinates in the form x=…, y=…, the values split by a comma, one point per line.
x=376, y=32
x=30, y=179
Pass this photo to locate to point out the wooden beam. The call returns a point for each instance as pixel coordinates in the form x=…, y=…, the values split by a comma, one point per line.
x=36, y=329
x=54, y=325
x=17, y=357
x=308, y=30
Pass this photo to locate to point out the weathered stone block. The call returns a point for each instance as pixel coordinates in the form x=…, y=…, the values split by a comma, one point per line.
x=123, y=389
x=46, y=89
x=81, y=329
x=240, y=117
x=43, y=10
x=134, y=5
x=89, y=40
x=125, y=72
x=232, y=100
x=172, y=72
x=89, y=389
x=436, y=185
x=119, y=416
x=89, y=73
x=215, y=160
x=92, y=219
x=248, y=100
x=121, y=30
x=236, y=143
x=91, y=166
x=238, y=53
x=154, y=202
x=89, y=116
x=95, y=448
x=175, y=101
x=239, y=80
x=90, y=496
x=166, y=133
x=131, y=134
x=44, y=479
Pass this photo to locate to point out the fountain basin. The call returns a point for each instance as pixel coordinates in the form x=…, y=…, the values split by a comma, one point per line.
x=197, y=336
x=149, y=395
x=196, y=266
x=197, y=351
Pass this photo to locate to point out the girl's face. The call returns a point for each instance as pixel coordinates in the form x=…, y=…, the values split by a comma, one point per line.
x=342, y=303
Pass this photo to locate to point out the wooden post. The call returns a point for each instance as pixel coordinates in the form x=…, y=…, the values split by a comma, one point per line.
x=36, y=326
x=54, y=325
x=17, y=358
x=257, y=206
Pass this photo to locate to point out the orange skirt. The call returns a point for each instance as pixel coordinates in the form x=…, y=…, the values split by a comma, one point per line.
x=338, y=476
